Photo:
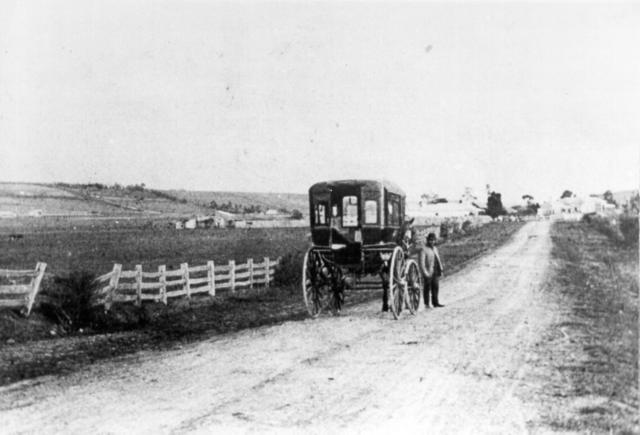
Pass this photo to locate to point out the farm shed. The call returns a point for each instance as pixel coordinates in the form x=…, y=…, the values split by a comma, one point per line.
x=204, y=221
x=445, y=209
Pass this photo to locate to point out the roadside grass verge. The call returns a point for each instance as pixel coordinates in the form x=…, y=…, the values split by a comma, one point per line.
x=593, y=349
x=32, y=347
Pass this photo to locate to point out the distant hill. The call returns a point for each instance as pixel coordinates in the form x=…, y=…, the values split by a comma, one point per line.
x=286, y=202
x=98, y=200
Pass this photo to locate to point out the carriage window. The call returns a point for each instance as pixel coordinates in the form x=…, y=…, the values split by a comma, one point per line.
x=321, y=214
x=394, y=212
x=371, y=212
x=350, y=211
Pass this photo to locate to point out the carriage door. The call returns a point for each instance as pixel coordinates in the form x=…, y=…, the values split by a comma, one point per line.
x=393, y=215
x=320, y=209
x=393, y=210
x=371, y=215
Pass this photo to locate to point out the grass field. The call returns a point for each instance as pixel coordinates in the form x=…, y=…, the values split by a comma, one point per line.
x=35, y=346
x=96, y=249
x=594, y=346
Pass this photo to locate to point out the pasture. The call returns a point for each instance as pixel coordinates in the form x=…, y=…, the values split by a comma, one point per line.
x=95, y=245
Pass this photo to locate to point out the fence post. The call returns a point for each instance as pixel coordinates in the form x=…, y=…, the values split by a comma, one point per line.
x=35, y=285
x=138, y=285
x=113, y=285
x=185, y=276
x=163, y=283
x=211, y=274
x=232, y=275
x=250, y=267
x=266, y=272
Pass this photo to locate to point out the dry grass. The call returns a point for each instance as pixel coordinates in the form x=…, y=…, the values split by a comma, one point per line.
x=593, y=349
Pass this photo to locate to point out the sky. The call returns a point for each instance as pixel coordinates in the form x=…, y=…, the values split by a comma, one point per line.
x=528, y=98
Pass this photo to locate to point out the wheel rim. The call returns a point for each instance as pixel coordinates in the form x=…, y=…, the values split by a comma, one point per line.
x=396, y=290
x=314, y=286
x=414, y=286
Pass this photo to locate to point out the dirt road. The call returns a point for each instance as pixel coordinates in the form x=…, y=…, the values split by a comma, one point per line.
x=465, y=368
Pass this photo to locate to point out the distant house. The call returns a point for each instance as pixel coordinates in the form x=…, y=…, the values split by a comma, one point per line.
x=595, y=205
x=272, y=212
x=205, y=221
x=575, y=207
x=443, y=209
x=224, y=218
x=7, y=214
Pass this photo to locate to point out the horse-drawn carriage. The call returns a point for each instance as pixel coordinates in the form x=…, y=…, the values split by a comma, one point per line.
x=357, y=230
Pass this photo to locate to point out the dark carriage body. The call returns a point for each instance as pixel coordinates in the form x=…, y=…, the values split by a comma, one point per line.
x=355, y=221
x=357, y=228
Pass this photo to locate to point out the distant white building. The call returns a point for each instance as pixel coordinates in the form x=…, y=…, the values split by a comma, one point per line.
x=442, y=210
x=191, y=224
x=7, y=214
x=575, y=207
x=595, y=205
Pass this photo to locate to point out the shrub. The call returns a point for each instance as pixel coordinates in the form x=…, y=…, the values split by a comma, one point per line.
x=289, y=270
x=467, y=226
x=604, y=226
x=455, y=227
x=445, y=229
x=68, y=300
x=629, y=229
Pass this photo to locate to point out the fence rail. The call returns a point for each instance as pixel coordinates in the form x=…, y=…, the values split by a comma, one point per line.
x=137, y=286
x=22, y=288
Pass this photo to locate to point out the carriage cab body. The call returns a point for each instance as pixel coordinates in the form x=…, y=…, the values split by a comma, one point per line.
x=350, y=217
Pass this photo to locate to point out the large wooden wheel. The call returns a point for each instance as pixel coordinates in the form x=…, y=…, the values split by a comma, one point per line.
x=316, y=283
x=413, y=279
x=396, y=282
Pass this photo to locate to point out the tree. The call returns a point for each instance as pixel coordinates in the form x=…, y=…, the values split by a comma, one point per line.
x=567, y=194
x=608, y=196
x=494, y=205
x=531, y=207
x=296, y=214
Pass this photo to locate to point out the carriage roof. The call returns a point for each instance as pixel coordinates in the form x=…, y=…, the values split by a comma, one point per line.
x=372, y=184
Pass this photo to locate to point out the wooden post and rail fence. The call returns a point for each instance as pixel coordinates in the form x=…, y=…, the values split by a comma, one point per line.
x=137, y=285
x=19, y=288
x=22, y=287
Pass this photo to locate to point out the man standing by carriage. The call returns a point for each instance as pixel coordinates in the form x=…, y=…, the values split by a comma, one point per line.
x=432, y=269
